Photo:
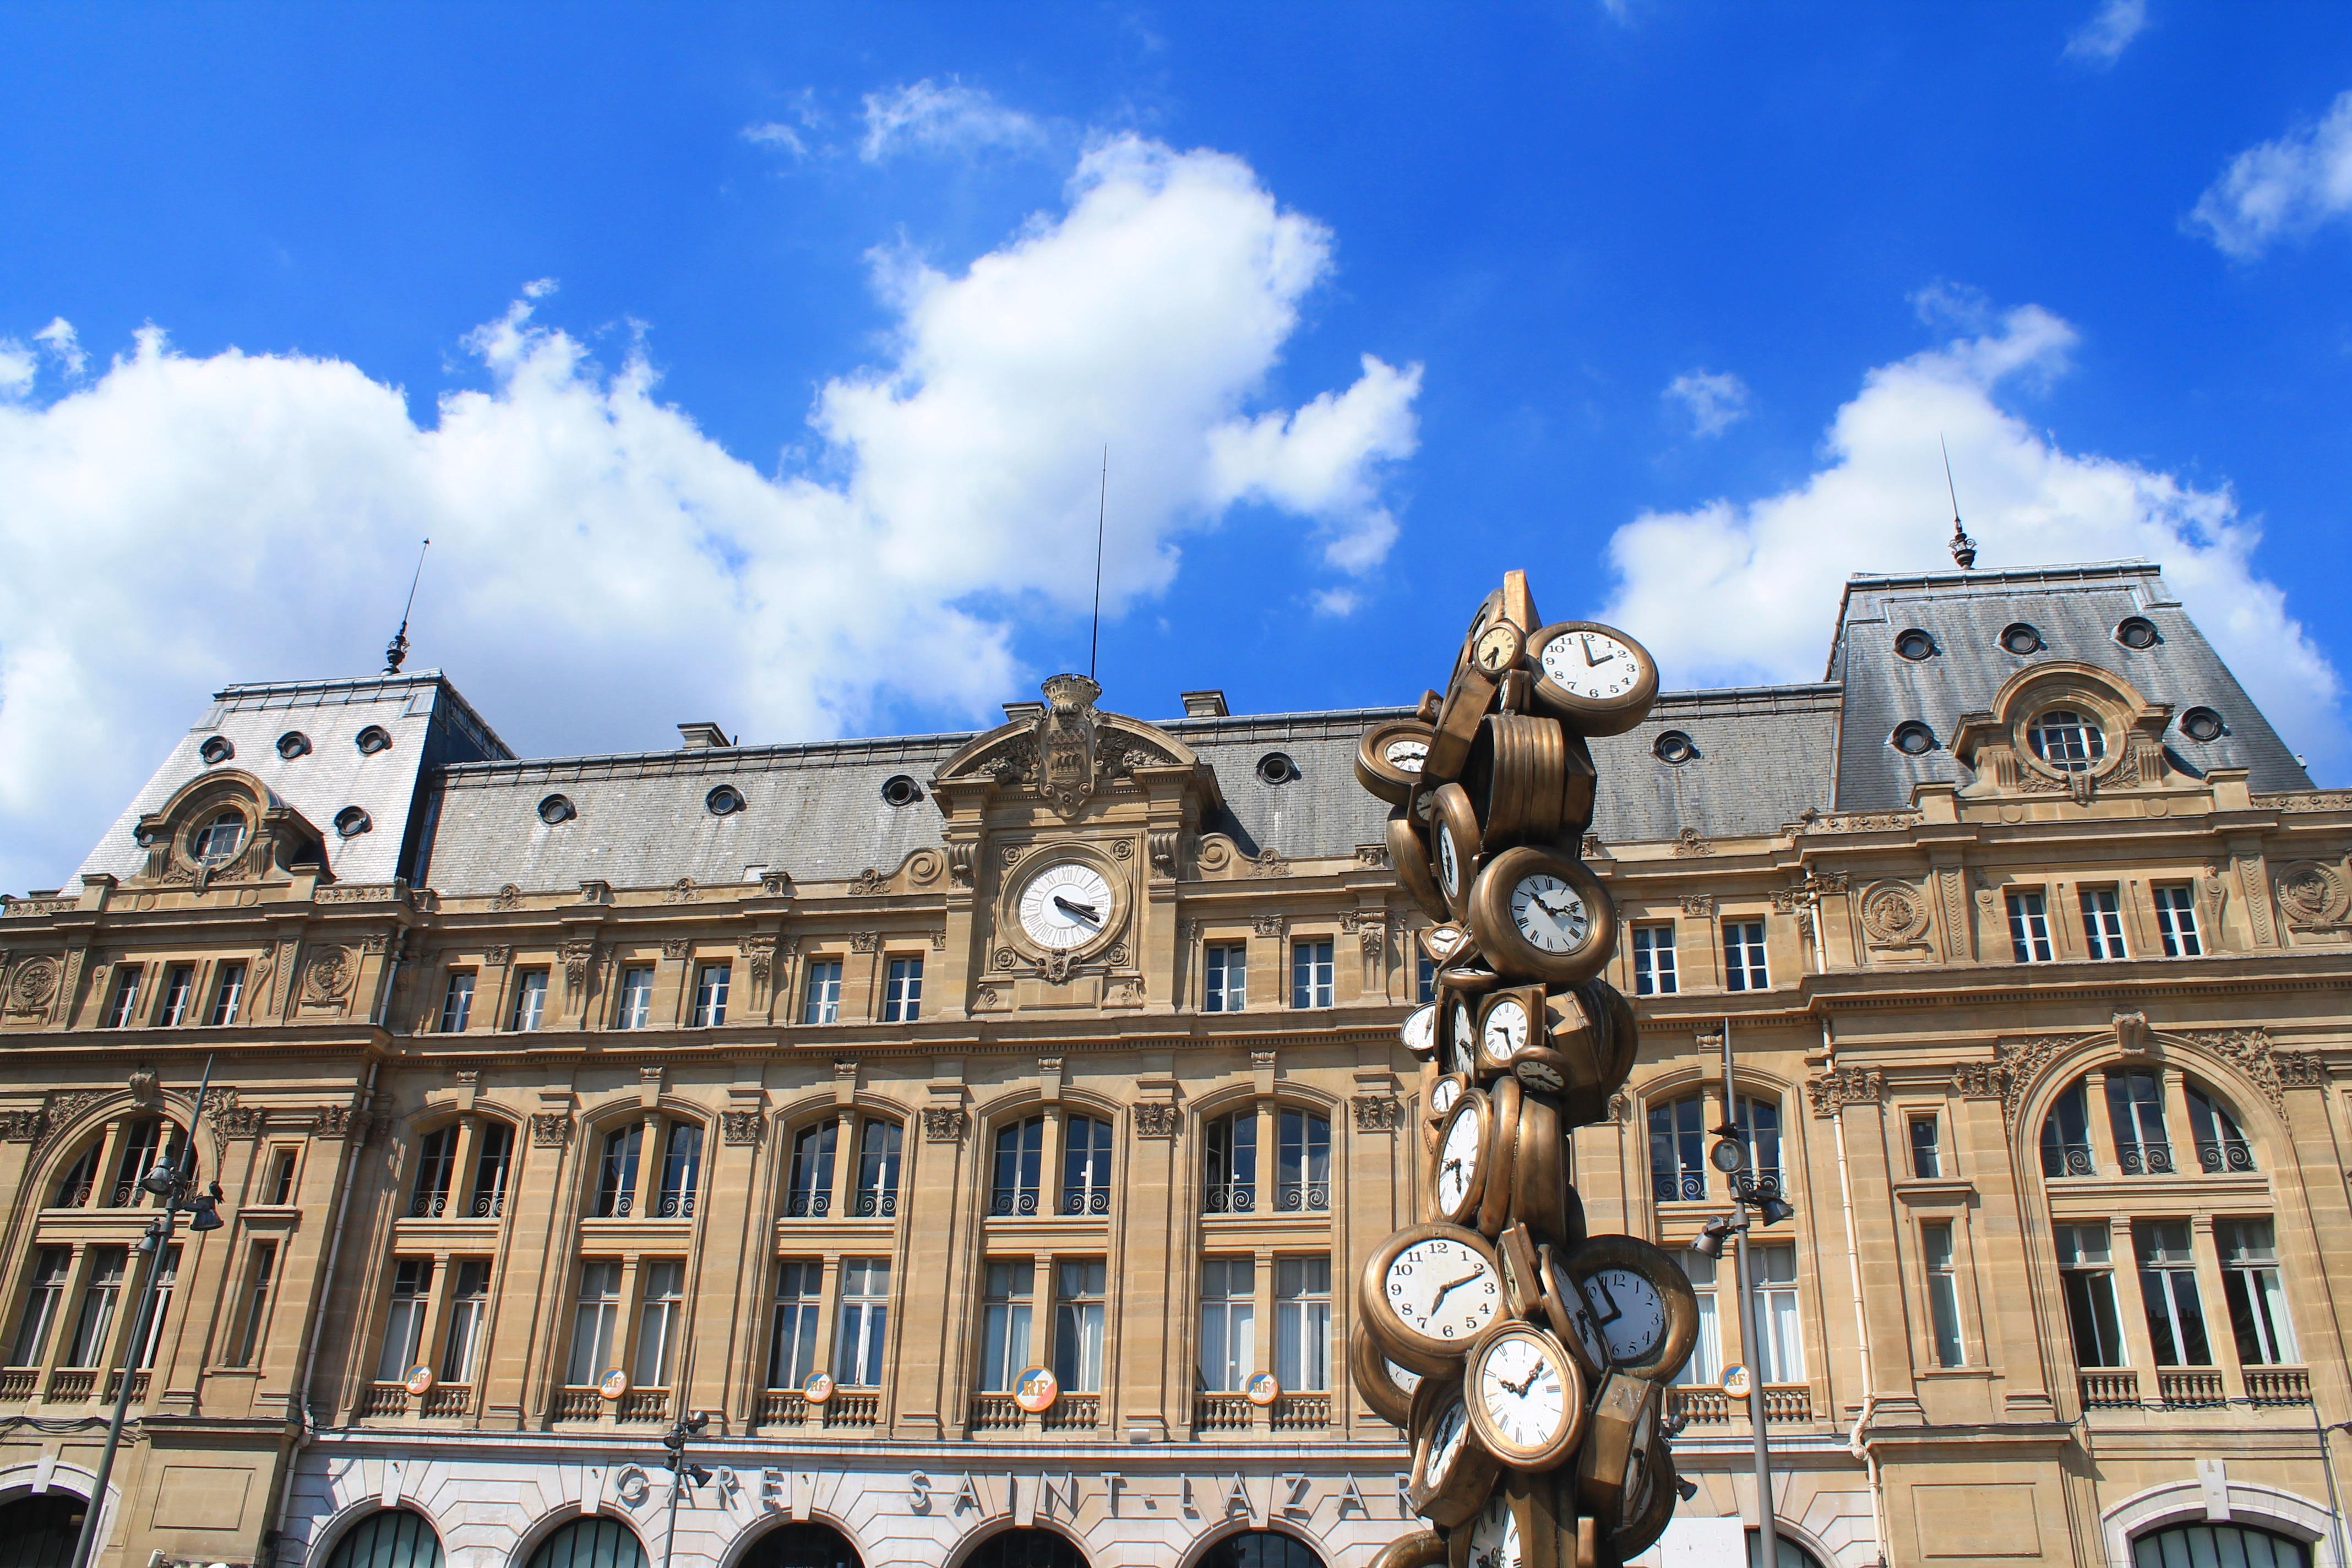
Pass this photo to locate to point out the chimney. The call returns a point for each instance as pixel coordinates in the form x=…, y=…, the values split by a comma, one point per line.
x=702, y=737
x=1205, y=705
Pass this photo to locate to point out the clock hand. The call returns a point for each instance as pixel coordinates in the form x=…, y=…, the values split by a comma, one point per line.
x=1450, y=1286
x=1586, y=638
x=1083, y=911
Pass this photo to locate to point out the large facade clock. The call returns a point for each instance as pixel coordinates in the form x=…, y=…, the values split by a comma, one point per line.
x=1066, y=904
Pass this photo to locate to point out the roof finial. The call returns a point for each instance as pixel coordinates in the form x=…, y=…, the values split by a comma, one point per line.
x=396, y=650
x=1963, y=548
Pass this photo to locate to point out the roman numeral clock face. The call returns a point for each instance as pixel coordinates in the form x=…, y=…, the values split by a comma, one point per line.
x=1064, y=906
x=1549, y=914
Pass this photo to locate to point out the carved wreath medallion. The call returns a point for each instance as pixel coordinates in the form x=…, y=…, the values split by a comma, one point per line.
x=1894, y=914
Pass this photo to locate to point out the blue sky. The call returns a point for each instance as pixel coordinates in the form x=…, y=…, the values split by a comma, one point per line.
x=756, y=364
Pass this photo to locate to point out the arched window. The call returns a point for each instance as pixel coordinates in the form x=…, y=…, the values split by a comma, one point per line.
x=1678, y=1151
x=2068, y=740
x=1788, y=1553
x=1261, y=1549
x=877, y=1169
x=1026, y=1549
x=436, y=1157
x=493, y=1159
x=143, y=1146
x=1020, y=1158
x=1302, y=1175
x=73, y=1188
x=590, y=1543
x=1759, y=1136
x=617, y=1177
x=802, y=1546
x=221, y=837
x=809, y=1189
x=1230, y=1185
x=2218, y=1546
x=681, y=1172
x=2066, y=1135
x=1086, y=1166
x=393, y=1539
x=2221, y=1147
x=2135, y=1112
x=40, y=1531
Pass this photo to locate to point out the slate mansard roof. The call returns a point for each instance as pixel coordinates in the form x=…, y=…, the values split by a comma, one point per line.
x=453, y=809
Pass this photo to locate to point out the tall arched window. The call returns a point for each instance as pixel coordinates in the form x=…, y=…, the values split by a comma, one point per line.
x=2208, y=1546
x=877, y=1169
x=2066, y=1135
x=2221, y=1147
x=617, y=1178
x=1027, y=1549
x=1230, y=1167
x=1678, y=1151
x=2135, y=1113
x=73, y=1188
x=1759, y=1136
x=1302, y=1177
x=436, y=1156
x=395, y=1538
x=809, y=1190
x=681, y=1172
x=1086, y=1166
x=1020, y=1159
x=591, y=1543
x=809, y=1545
x=1261, y=1549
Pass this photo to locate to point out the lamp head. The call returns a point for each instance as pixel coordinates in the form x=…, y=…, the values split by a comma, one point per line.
x=1708, y=1242
x=204, y=1212
x=1727, y=1155
x=1775, y=1210
x=161, y=1179
x=1687, y=1487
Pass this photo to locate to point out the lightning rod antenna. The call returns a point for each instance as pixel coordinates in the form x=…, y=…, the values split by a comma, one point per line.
x=396, y=650
x=1102, y=511
x=1963, y=548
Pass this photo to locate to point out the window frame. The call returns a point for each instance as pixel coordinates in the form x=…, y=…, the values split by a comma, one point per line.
x=1079, y=1315
x=1302, y=1322
x=713, y=980
x=1225, y=976
x=1655, y=971
x=1235, y=1314
x=456, y=1003
x=1314, y=973
x=529, y=1013
x=902, y=989
x=1746, y=965
x=632, y=1000
x=2103, y=923
x=871, y=1304
x=2028, y=926
x=1939, y=1269
x=2178, y=929
x=820, y=989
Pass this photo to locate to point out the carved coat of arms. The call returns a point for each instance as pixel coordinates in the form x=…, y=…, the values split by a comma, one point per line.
x=1065, y=743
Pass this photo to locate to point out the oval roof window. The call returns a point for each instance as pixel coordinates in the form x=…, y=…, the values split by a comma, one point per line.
x=556, y=808
x=1913, y=738
x=374, y=738
x=293, y=744
x=216, y=749
x=2138, y=631
x=1674, y=748
x=351, y=822
x=2020, y=638
x=724, y=801
x=2202, y=724
x=900, y=789
x=1915, y=645
x=1276, y=768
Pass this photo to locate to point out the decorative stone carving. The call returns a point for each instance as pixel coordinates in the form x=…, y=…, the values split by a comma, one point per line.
x=146, y=1088
x=923, y=868
x=550, y=1129
x=774, y=884
x=2306, y=800
x=1159, y=847
x=676, y=948
x=376, y=942
x=1975, y=1080
x=1216, y=854
x=498, y=956
x=760, y=956
x=1621, y=1107
x=62, y=1110
x=2250, y=884
x=944, y=1124
x=2300, y=1069
x=1374, y=857
x=1003, y=958
x=20, y=1124
x=595, y=890
x=1194, y=929
x=2249, y=1051
x=2313, y=896
x=1701, y=904
x=1065, y=734
x=1010, y=854
x=744, y=1127
x=1155, y=1121
x=865, y=942
x=1270, y=863
x=1846, y=1086
x=1270, y=925
x=35, y=982
x=1690, y=841
x=578, y=954
x=1894, y=914
x=682, y=891
x=1589, y=847
x=989, y=999
x=358, y=893
x=339, y=1121
x=2132, y=1033
x=327, y=976
x=938, y=941
x=231, y=1119
x=509, y=897
x=1814, y=821
x=1378, y=1112
x=1127, y=991
x=959, y=863
x=867, y=883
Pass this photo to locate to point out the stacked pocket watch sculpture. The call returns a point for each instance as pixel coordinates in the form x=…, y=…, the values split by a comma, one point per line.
x=1526, y=1359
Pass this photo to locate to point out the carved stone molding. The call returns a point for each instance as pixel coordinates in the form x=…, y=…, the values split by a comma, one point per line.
x=1690, y=841
x=744, y=1127
x=578, y=955
x=20, y=1124
x=595, y=890
x=509, y=897
x=146, y=1088
x=865, y=942
x=550, y=1129
x=1270, y=863
x=1262, y=1061
x=1155, y=1121
x=1894, y=914
x=676, y=948
x=1378, y=1112
x=944, y=1124
x=938, y=941
x=2313, y=896
x=2132, y=1033
x=1374, y=857
x=35, y=982
x=340, y=1121
x=1846, y=1086
x=231, y=1119
x=328, y=975
x=1160, y=847
x=774, y=884
x=2016, y=1065
x=868, y=883
x=682, y=891
x=760, y=955
x=1815, y=821
x=1270, y=925
x=497, y=957
x=1621, y=1107
x=1702, y=904
x=959, y=863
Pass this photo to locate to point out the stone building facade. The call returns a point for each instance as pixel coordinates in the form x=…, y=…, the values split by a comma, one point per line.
x=553, y=1098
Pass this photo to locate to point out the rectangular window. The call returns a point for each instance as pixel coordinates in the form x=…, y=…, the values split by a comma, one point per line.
x=792, y=1343
x=2176, y=920
x=636, y=999
x=1310, y=974
x=1230, y=1155
x=809, y=1189
x=857, y=1340
x=1780, y=1348
x=1302, y=1323
x=1228, y=1323
x=681, y=1172
x=404, y=1325
x=2249, y=1279
x=2103, y=923
x=280, y=1187
x=167, y=1274
x=531, y=1001
x=493, y=1155
x=229, y=991
x=469, y=1304
x=1302, y=1165
x=710, y=994
x=2135, y=1116
x=659, y=1305
x=142, y=1149
x=594, y=1322
x=1705, y=1368
x=1678, y=1152
x=1758, y=1123
x=1743, y=956
x=1020, y=1161
x=122, y=1012
x=902, y=990
x=1943, y=1290
x=1424, y=978
x=179, y=991
x=2029, y=928
x=1078, y=1325
x=1224, y=987
x=43, y=1297
x=2167, y=1289
x=260, y=1273
x=1926, y=1148
x=1653, y=960
x=822, y=1002
x=1086, y=1166
x=877, y=1170
x=617, y=1178
x=436, y=1156
x=2086, y=1275
x=457, y=1003
x=1005, y=1325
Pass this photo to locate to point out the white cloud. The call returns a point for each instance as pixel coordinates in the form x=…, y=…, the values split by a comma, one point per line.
x=601, y=567
x=58, y=338
x=942, y=118
x=777, y=134
x=1337, y=602
x=2288, y=186
x=1716, y=400
x=18, y=369
x=1742, y=591
x=2101, y=41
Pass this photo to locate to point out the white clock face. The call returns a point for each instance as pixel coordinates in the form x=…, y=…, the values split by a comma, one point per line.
x=1442, y=1097
x=1406, y=754
x=1457, y=1162
x=1495, y=1535
x=1405, y=1380
x=1580, y=1315
x=1523, y=1393
x=1591, y=664
x=1465, y=1038
x=1505, y=1032
x=1441, y=1289
x=1628, y=1311
x=1549, y=914
x=1065, y=906
x=1420, y=1031
x=1445, y=1442
x=1449, y=866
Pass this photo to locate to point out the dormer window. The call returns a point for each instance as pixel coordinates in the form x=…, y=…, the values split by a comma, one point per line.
x=374, y=738
x=2068, y=739
x=2021, y=640
x=220, y=838
x=216, y=749
x=1915, y=645
x=293, y=744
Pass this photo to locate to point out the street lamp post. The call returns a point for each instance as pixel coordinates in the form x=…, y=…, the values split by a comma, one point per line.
x=173, y=1181
x=690, y=1425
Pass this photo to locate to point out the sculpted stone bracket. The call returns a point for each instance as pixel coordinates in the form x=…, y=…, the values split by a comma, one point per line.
x=744, y=1127
x=1832, y=1092
x=945, y=1123
x=550, y=1129
x=1156, y=1119
x=1378, y=1112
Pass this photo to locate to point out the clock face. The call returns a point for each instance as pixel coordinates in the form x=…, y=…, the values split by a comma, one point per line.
x=1449, y=862
x=1406, y=754
x=1420, y=1030
x=1065, y=906
x=1497, y=648
x=1466, y=1035
x=1628, y=1310
x=1523, y=1392
x=1405, y=1378
x=1445, y=1440
x=1549, y=914
x=1580, y=1314
x=1506, y=1031
x=1495, y=1535
x=1442, y=1290
x=1592, y=665
x=1457, y=1161
x=1442, y=1097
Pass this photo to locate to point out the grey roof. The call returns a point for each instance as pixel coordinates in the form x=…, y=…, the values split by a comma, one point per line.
x=2076, y=609
x=429, y=722
x=1761, y=757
